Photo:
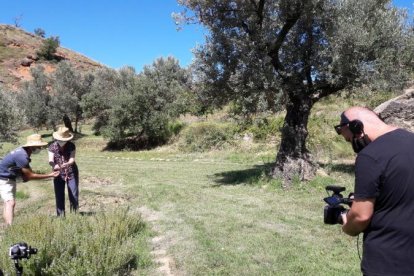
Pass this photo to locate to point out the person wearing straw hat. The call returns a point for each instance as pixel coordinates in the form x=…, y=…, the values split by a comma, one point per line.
x=62, y=158
x=16, y=165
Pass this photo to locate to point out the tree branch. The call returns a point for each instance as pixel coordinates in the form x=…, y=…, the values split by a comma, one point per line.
x=324, y=89
x=258, y=9
x=277, y=43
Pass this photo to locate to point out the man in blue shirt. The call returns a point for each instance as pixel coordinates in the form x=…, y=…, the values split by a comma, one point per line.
x=16, y=165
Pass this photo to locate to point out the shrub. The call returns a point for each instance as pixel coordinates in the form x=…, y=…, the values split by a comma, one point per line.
x=48, y=49
x=40, y=32
x=204, y=136
x=263, y=127
x=99, y=244
x=9, y=117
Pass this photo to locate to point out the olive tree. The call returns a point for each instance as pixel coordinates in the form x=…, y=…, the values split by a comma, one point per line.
x=97, y=103
x=34, y=99
x=293, y=53
x=10, y=117
x=134, y=110
x=68, y=86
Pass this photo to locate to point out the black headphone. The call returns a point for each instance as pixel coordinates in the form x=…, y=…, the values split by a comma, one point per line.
x=356, y=127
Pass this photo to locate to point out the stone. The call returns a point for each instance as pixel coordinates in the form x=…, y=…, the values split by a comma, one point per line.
x=26, y=62
x=399, y=111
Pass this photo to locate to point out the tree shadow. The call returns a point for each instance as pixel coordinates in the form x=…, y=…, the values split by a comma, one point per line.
x=257, y=173
x=134, y=144
x=248, y=176
x=87, y=213
x=340, y=167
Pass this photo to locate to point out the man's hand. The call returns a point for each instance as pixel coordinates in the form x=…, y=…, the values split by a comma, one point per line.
x=54, y=174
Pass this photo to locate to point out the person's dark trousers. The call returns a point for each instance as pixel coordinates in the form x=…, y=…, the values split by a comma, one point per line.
x=73, y=193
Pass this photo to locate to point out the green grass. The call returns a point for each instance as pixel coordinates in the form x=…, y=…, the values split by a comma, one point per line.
x=21, y=195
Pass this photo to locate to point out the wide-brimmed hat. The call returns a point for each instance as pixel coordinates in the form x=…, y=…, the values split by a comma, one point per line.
x=63, y=134
x=34, y=140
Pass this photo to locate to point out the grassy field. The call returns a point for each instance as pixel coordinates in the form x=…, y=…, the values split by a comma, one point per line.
x=213, y=213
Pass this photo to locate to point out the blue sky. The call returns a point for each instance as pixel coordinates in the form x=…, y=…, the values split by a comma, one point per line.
x=114, y=33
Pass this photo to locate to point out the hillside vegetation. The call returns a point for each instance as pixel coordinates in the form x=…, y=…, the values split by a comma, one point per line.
x=18, y=46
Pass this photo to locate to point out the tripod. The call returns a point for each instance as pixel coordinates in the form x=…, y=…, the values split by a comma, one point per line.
x=19, y=268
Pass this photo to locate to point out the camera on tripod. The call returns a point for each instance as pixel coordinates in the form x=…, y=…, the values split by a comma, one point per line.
x=21, y=251
x=333, y=211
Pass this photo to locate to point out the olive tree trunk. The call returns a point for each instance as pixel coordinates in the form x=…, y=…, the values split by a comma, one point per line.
x=293, y=160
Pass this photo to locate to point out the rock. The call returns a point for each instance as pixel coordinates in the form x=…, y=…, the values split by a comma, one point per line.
x=26, y=62
x=32, y=57
x=399, y=111
x=248, y=137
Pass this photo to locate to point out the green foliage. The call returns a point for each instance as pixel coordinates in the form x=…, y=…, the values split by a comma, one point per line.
x=49, y=47
x=97, y=103
x=35, y=99
x=135, y=110
x=175, y=127
x=10, y=119
x=68, y=88
x=40, y=32
x=264, y=126
x=206, y=136
x=98, y=244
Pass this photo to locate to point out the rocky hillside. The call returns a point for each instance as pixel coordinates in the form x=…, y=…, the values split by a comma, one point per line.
x=18, y=54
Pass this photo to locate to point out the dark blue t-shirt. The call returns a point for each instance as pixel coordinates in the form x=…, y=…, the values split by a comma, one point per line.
x=11, y=165
x=384, y=170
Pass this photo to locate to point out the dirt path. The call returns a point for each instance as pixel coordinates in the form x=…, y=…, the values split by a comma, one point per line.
x=160, y=243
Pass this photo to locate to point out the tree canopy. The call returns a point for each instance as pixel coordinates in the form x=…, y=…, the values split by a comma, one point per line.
x=9, y=116
x=134, y=110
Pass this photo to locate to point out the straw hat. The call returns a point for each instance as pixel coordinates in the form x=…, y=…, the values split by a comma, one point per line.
x=34, y=140
x=63, y=134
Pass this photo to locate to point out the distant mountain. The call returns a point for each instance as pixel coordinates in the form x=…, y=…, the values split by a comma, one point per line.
x=18, y=54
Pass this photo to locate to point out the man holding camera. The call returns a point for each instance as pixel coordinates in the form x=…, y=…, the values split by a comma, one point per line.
x=14, y=165
x=383, y=204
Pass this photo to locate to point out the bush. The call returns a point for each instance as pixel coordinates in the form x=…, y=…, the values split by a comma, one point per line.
x=10, y=119
x=206, y=136
x=138, y=111
x=100, y=244
x=40, y=32
x=263, y=127
x=49, y=47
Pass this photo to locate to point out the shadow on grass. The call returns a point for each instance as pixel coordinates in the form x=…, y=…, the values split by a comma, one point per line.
x=260, y=173
x=341, y=168
x=87, y=214
x=249, y=176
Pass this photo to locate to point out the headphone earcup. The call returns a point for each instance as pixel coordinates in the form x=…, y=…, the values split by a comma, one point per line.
x=356, y=126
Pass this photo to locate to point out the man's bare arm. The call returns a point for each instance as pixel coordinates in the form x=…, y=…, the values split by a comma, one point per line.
x=358, y=217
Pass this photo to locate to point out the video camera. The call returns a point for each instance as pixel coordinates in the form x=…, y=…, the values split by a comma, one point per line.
x=21, y=251
x=334, y=209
